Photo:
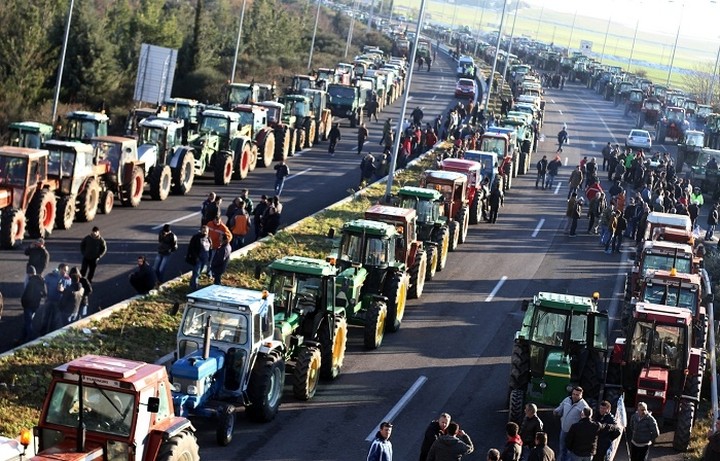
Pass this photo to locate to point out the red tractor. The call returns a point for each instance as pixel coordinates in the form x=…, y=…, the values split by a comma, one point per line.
x=663, y=255
x=453, y=187
x=649, y=113
x=476, y=193
x=672, y=125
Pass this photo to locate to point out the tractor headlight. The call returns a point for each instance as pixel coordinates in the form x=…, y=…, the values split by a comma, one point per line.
x=569, y=388
x=192, y=390
x=642, y=392
x=660, y=394
x=177, y=387
x=543, y=385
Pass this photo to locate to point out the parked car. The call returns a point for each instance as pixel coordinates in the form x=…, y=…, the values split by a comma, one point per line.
x=466, y=88
x=639, y=138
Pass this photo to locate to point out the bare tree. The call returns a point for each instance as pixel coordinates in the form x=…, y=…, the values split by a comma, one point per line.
x=698, y=82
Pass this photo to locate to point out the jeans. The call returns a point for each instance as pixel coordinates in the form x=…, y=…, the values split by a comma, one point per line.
x=573, y=226
x=639, y=453
x=550, y=180
x=710, y=232
x=195, y=277
x=540, y=179
x=604, y=233
x=238, y=242
x=87, y=268
x=563, y=453
x=572, y=189
x=279, y=183
x=28, y=333
x=159, y=265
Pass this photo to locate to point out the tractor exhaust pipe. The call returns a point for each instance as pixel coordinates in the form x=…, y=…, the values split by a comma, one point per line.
x=206, y=339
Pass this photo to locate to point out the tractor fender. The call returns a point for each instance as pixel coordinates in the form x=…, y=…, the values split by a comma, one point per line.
x=147, y=156
x=5, y=198
x=261, y=135
x=164, y=431
x=177, y=156
x=239, y=142
x=271, y=345
x=697, y=361
x=412, y=252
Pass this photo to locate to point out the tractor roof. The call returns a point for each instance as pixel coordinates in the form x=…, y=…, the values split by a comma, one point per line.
x=114, y=140
x=232, y=116
x=293, y=97
x=273, y=104
x=459, y=164
x=665, y=246
x=25, y=152
x=395, y=214
x=223, y=297
x=182, y=102
x=444, y=176
x=673, y=275
x=313, y=91
x=303, y=265
x=565, y=301
x=112, y=371
x=161, y=122
x=670, y=219
x=375, y=228
x=36, y=127
x=662, y=314
x=68, y=146
x=249, y=108
x=87, y=115
x=419, y=192
x=480, y=154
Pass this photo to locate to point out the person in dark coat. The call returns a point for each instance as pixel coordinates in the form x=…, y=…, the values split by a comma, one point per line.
x=220, y=260
x=513, y=444
x=495, y=200
x=451, y=446
x=712, y=449
x=530, y=425
x=143, y=277
x=71, y=299
x=367, y=169
x=381, y=447
x=33, y=294
x=541, y=452
x=271, y=221
x=435, y=430
x=334, y=136
x=167, y=245
x=38, y=256
x=582, y=438
x=606, y=437
x=92, y=247
x=87, y=291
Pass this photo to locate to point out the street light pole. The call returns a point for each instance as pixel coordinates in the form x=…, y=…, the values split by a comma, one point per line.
x=632, y=48
x=58, y=83
x=482, y=14
x=512, y=35
x=537, y=32
x=237, y=43
x=572, y=29
x=607, y=31
x=350, y=30
x=714, y=75
x=312, y=43
x=677, y=37
x=497, y=52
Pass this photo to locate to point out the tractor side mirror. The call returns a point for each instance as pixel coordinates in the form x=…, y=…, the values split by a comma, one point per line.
x=525, y=304
x=258, y=272
x=153, y=404
x=331, y=233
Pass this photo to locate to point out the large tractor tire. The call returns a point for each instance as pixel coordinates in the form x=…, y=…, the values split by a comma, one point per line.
x=464, y=220
x=417, y=273
x=432, y=262
x=242, y=162
x=306, y=373
x=282, y=143
x=516, y=409
x=253, y=158
x=12, y=228
x=442, y=238
x=225, y=425
x=375, y=320
x=685, y=420
x=333, y=348
x=181, y=447
x=300, y=141
x=134, y=189
x=396, y=292
x=310, y=132
x=454, y=228
x=265, y=387
x=267, y=152
x=184, y=174
x=520, y=367
x=292, y=143
x=223, y=168
x=160, y=182
x=41, y=214
x=89, y=200
x=475, y=210
x=65, y=212
x=107, y=201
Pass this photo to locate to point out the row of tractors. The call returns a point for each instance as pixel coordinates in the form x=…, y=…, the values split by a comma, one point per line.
x=52, y=177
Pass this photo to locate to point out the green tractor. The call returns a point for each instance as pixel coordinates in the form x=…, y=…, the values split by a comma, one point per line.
x=562, y=343
x=432, y=224
x=29, y=134
x=372, y=284
x=307, y=320
x=299, y=108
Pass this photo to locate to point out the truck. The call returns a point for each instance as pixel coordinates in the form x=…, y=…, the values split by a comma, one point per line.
x=562, y=343
x=346, y=101
x=109, y=408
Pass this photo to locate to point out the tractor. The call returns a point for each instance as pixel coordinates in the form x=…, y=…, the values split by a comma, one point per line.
x=712, y=131
x=135, y=116
x=453, y=187
x=689, y=148
x=228, y=357
x=299, y=107
x=123, y=176
x=321, y=113
x=655, y=255
x=187, y=110
x=503, y=145
x=283, y=125
x=254, y=124
x=562, y=343
x=218, y=146
x=346, y=101
x=649, y=114
x=82, y=126
x=701, y=115
x=83, y=183
x=29, y=134
x=169, y=165
x=308, y=321
x=432, y=224
x=27, y=197
x=476, y=194
x=408, y=248
x=108, y=408
x=703, y=174
x=247, y=93
x=372, y=278
x=488, y=167
x=622, y=93
x=671, y=125
x=634, y=101
x=657, y=364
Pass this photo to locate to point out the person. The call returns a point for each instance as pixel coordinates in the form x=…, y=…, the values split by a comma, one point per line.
x=597, y=208
x=644, y=430
x=606, y=156
x=206, y=209
x=387, y=132
x=239, y=225
x=495, y=200
x=220, y=259
x=372, y=107
x=429, y=61
x=367, y=170
x=562, y=138
x=618, y=226
x=246, y=200
x=198, y=255
x=33, y=294
x=697, y=197
x=435, y=430
x=712, y=222
x=167, y=245
x=513, y=444
x=552, y=171
x=711, y=164
x=362, y=137
x=530, y=425
x=71, y=299
x=417, y=115
x=605, y=438
x=38, y=256
x=281, y=172
x=216, y=230
x=92, y=247
x=576, y=213
x=711, y=452
x=258, y=214
x=143, y=278
x=569, y=411
x=575, y=181
x=541, y=451
x=381, y=447
x=334, y=137
x=451, y=446
x=271, y=220
x=542, y=167
x=582, y=439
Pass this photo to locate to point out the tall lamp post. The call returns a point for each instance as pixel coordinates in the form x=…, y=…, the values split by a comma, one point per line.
x=714, y=76
x=58, y=82
x=312, y=43
x=632, y=48
x=512, y=35
x=237, y=43
x=482, y=14
x=677, y=37
x=497, y=52
x=537, y=32
x=607, y=31
x=350, y=31
x=572, y=28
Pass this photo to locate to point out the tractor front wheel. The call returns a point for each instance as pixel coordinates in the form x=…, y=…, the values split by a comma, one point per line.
x=160, y=182
x=12, y=228
x=242, y=161
x=184, y=174
x=375, y=318
x=396, y=292
x=310, y=134
x=223, y=168
x=225, y=425
x=41, y=214
x=134, y=188
x=685, y=420
x=516, y=409
x=520, y=367
x=432, y=262
x=300, y=142
x=475, y=209
x=418, y=272
x=265, y=387
x=89, y=201
x=333, y=348
x=454, y=235
x=107, y=201
x=306, y=373
x=253, y=158
x=464, y=220
x=181, y=447
x=65, y=212
x=268, y=149
x=442, y=238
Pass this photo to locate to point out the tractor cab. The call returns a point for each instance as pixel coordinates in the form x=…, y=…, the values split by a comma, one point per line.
x=325, y=76
x=501, y=145
x=158, y=137
x=22, y=171
x=428, y=203
x=297, y=106
x=221, y=124
x=247, y=93
x=29, y=134
x=405, y=222
x=83, y=126
x=274, y=112
x=70, y=164
x=452, y=185
x=672, y=288
x=134, y=118
x=488, y=165
x=116, y=152
x=636, y=96
x=301, y=82
x=252, y=119
x=660, y=223
x=187, y=110
x=368, y=244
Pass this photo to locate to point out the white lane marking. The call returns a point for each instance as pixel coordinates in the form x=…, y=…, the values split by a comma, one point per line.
x=557, y=189
x=442, y=78
x=398, y=406
x=496, y=289
x=434, y=97
x=409, y=98
x=538, y=227
x=560, y=111
x=298, y=174
x=592, y=144
x=181, y=218
x=552, y=101
x=566, y=161
x=602, y=120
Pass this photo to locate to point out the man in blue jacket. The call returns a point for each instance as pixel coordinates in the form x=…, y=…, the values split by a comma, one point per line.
x=381, y=448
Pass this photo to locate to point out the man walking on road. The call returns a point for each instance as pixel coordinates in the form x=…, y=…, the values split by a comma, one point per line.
x=92, y=248
x=562, y=138
x=569, y=411
x=362, y=137
x=281, y=172
x=334, y=137
x=381, y=448
x=552, y=171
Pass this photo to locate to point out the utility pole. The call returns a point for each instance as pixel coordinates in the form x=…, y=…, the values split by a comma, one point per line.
x=237, y=43
x=58, y=82
x=497, y=52
x=312, y=43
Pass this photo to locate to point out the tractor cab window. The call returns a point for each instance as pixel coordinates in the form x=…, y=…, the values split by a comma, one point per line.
x=447, y=191
x=229, y=327
x=665, y=262
x=108, y=152
x=661, y=344
x=301, y=109
x=377, y=253
x=496, y=145
x=675, y=116
x=599, y=339
x=217, y=125
x=578, y=330
x=38, y=172
x=426, y=210
x=351, y=248
x=13, y=171
x=61, y=163
x=670, y=296
x=694, y=139
x=273, y=115
x=549, y=328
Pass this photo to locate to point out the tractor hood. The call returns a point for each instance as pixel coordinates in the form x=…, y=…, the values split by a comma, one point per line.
x=65, y=451
x=148, y=155
x=192, y=378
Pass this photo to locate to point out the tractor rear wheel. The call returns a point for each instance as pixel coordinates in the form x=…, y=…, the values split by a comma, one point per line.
x=685, y=420
x=265, y=387
x=375, y=318
x=253, y=158
x=516, y=408
x=520, y=367
x=333, y=348
x=223, y=168
x=300, y=142
x=282, y=143
x=306, y=373
x=418, y=272
x=181, y=447
x=41, y=214
x=89, y=201
x=475, y=209
x=65, y=212
x=225, y=425
x=292, y=143
x=396, y=292
x=442, y=238
x=432, y=262
x=310, y=133
x=464, y=220
x=184, y=174
x=160, y=182
x=454, y=235
x=134, y=188
x=12, y=228
x=242, y=162
x=268, y=150
x=107, y=201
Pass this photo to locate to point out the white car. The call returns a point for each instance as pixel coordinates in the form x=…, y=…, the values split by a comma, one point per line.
x=639, y=138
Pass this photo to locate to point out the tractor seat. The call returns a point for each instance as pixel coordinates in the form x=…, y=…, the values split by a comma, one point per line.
x=305, y=304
